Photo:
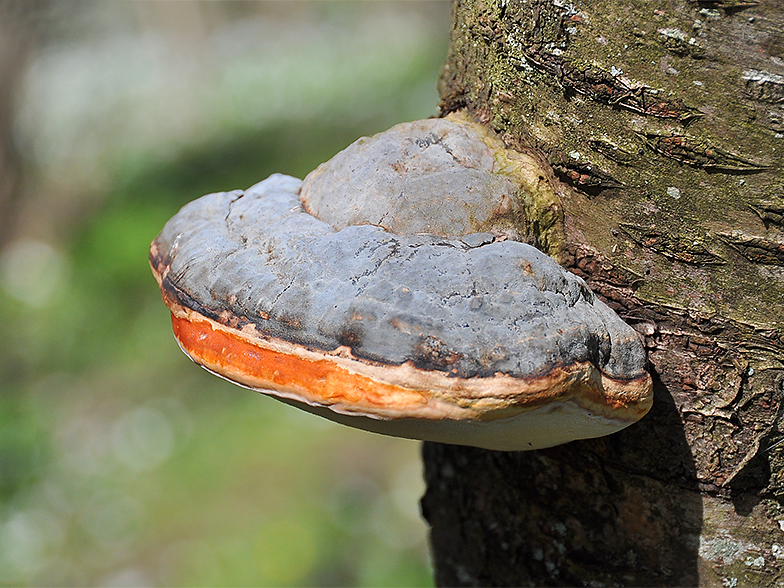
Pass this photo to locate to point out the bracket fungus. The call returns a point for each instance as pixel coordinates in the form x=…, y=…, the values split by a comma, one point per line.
x=390, y=291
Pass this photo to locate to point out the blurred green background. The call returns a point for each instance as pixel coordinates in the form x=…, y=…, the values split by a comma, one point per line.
x=121, y=462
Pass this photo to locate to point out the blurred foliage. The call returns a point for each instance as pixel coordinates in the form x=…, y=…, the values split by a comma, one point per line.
x=121, y=463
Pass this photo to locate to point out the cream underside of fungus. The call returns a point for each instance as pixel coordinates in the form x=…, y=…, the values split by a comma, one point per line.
x=319, y=295
x=499, y=412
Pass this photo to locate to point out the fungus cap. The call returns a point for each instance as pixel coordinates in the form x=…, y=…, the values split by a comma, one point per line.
x=466, y=339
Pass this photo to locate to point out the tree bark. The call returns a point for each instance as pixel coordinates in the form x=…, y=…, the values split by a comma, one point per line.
x=662, y=123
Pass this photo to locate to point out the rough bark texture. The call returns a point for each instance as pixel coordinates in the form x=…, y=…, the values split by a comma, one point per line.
x=662, y=122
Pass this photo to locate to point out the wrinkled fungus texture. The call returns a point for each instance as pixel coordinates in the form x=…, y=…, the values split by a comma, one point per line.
x=434, y=176
x=470, y=307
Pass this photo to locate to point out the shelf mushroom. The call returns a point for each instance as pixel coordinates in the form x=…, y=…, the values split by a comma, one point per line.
x=387, y=292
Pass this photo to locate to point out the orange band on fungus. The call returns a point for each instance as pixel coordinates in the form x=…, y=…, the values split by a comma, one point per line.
x=320, y=381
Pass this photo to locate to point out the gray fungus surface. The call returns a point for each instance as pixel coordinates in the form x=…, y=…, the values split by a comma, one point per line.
x=470, y=306
x=433, y=176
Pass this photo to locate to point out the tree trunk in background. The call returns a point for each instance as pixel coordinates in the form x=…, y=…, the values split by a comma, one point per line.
x=17, y=36
x=662, y=122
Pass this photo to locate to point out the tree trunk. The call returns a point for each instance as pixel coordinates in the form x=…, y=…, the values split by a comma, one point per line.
x=17, y=36
x=662, y=122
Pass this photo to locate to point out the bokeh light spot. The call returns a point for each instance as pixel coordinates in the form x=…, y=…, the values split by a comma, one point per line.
x=143, y=438
x=33, y=272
